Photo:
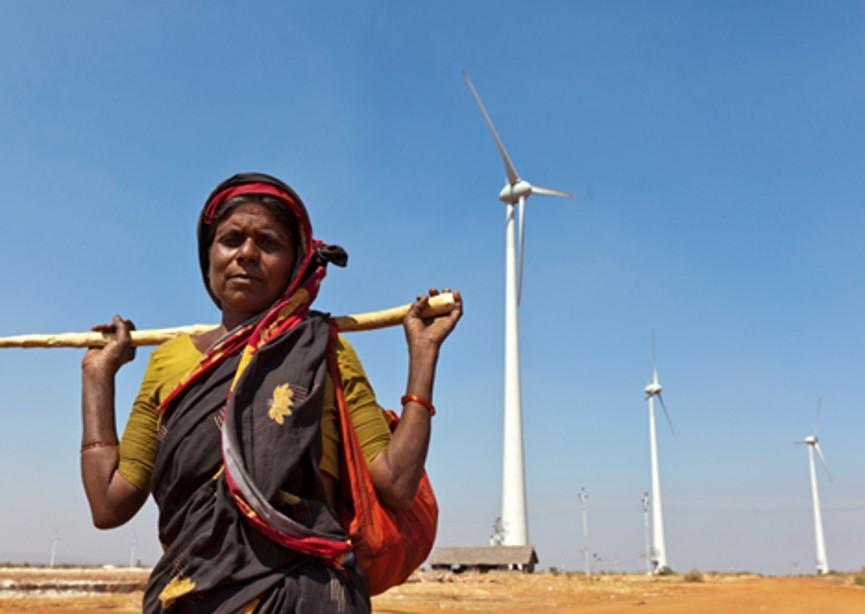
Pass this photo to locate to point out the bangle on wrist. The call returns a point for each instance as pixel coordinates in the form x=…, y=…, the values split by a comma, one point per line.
x=96, y=445
x=420, y=401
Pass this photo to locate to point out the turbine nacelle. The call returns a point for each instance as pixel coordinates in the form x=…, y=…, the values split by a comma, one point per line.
x=653, y=389
x=513, y=192
x=814, y=442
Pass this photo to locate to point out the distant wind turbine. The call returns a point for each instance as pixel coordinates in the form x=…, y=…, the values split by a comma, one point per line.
x=814, y=446
x=514, y=193
x=584, y=502
x=659, y=546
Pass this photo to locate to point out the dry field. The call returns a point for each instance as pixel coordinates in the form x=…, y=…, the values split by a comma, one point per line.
x=67, y=591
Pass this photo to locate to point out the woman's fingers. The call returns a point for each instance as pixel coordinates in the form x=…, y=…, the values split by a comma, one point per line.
x=122, y=327
x=120, y=342
x=117, y=351
x=122, y=336
x=457, y=312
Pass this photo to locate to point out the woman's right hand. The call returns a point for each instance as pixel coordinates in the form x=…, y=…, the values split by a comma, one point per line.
x=116, y=353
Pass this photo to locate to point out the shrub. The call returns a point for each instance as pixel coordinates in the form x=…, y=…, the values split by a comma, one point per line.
x=859, y=580
x=665, y=571
x=695, y=575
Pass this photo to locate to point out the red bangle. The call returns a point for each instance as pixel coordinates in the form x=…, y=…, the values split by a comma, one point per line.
x=420, y=401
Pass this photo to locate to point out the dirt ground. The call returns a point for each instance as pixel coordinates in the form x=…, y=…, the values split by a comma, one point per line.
x=61, y=591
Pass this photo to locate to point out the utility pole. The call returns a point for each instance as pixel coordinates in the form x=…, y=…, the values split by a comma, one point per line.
x=132, y=553
x=645, y=501
x=53, y=554
x=584, y=501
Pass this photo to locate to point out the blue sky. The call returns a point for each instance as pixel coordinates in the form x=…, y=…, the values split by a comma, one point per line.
x=716, y=152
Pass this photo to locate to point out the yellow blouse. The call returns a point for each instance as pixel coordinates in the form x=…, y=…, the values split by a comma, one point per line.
x=174, y=359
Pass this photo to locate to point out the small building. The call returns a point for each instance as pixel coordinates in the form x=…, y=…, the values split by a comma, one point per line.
x=484, y=558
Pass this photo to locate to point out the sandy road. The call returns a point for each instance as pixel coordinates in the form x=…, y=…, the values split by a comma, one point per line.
x=545, y=594
x=506, y=593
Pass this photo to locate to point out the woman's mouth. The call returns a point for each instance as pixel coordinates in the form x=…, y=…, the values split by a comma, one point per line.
x=243, y=277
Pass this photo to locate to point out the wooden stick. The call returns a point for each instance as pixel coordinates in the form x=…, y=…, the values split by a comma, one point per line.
x=438, y=305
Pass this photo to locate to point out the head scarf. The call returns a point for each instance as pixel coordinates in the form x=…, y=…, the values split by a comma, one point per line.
x=310, y=253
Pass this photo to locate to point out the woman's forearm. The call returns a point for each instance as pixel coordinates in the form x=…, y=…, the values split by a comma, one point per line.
x=397, y=471
x=97, y=407
x=112, y=500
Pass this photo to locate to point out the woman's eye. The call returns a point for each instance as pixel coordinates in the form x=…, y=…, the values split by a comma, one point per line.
x=269, y=244
x=231, y=239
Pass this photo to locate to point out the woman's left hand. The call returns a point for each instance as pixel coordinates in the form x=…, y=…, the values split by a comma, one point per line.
x=430, y=332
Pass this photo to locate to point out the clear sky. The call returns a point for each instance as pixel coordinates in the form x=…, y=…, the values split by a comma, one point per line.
x=716, y=151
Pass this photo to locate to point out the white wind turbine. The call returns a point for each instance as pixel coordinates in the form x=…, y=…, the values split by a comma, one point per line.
x=659, y=545
x=515, y=192
x=814, y=446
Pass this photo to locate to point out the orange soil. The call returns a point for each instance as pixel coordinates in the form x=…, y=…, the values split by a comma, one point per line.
x=511, y=593
x=563, y=594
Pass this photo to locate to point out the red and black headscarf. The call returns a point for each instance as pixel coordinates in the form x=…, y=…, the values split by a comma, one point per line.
x=310, y=253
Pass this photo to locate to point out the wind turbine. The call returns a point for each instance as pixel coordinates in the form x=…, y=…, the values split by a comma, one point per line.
x=514, y=194
x=584, y=501
x=814, y=446
x=659, y=546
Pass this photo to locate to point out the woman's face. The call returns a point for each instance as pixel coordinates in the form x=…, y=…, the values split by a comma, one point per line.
x=251, y=260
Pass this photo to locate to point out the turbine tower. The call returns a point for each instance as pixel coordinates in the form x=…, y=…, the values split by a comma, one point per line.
x=659, y=546
x=584, y=501
x=814, y=446
x=514, y=195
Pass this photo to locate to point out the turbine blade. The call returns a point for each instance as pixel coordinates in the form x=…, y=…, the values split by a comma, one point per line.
x=817, y=422
x=654, y=362
x=664, y=407
x=551, y=192
x=513, y=176
x=823, y=460
x=522, y=227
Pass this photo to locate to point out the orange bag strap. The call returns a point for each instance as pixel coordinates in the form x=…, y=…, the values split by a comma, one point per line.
x=355, y=478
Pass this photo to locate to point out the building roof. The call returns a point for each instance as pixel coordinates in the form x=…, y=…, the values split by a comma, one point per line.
x=485, y=555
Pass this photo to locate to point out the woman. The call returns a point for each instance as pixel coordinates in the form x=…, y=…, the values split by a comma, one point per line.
x=235, y=432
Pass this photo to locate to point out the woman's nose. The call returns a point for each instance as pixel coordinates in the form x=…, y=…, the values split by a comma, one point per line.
x=248, y=250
